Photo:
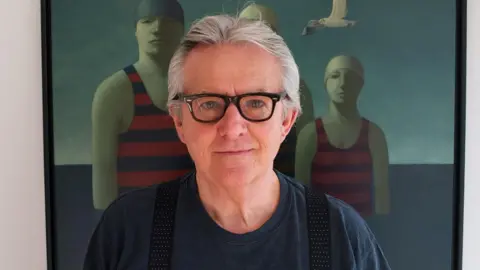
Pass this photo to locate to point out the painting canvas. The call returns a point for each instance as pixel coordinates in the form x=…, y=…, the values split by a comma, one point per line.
x=379, y=91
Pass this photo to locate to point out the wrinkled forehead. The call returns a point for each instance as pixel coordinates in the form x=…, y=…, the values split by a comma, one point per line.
x=231, y=69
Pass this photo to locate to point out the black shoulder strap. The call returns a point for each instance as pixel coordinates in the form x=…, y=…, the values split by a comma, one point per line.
x=318, y=230
x=137, y=83
x=161, y=245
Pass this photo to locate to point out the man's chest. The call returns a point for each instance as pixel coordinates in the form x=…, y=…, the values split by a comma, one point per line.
x=285, y=247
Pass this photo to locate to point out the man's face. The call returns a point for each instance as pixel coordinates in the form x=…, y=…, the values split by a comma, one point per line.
x=157, y=35
x=343, y=86
x=233, y=147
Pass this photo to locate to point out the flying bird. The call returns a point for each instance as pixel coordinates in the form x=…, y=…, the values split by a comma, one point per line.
x=335, y=20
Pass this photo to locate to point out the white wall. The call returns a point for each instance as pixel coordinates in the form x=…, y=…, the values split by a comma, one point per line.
x=22, y=208
x=471, y=226
x=22, y=203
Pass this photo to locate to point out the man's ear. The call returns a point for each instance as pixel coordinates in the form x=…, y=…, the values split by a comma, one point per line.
x=288, y=121
x=176, y=114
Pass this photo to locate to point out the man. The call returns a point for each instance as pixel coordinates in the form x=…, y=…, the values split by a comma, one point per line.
x=343, y=153
x=233, y=94
x=285, y=159
x=134, y=139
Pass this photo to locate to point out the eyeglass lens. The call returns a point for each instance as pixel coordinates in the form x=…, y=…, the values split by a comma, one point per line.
x=210, y=108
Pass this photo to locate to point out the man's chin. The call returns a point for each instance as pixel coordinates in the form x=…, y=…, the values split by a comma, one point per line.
x=232, y=167
x=339, y=100
x=235, y=177
x=156, y=51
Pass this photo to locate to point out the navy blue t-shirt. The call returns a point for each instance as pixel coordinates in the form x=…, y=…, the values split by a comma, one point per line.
x=122, y=237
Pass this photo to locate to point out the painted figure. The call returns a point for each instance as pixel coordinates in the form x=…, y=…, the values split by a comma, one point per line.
x=335, y=20
x=135, y=143
x=285, y=160
x=343, y=153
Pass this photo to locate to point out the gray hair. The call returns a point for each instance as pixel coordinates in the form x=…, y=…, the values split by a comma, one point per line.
x=217, y=29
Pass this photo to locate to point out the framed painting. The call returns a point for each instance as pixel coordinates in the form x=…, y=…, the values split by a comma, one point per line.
x=397, y=69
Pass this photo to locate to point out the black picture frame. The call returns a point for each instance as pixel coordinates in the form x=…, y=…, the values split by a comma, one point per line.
x=459, y=145
x=48, y=144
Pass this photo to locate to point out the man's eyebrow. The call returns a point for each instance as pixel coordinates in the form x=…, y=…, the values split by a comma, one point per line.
x=205, y=91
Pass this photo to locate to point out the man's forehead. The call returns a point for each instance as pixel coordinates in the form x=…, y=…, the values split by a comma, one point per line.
x=343, y=70
x=234, y=92
x=157, y=17
x=231, y=69
x=242, y=55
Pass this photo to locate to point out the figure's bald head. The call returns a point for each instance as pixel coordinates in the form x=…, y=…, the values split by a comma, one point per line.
x=344, y=62
x=344, y=79
x=160, y=8
x=260, y=12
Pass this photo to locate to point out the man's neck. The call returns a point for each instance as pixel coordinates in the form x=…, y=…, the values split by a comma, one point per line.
x=157, y=64
x=341, y=112
x=240, y=209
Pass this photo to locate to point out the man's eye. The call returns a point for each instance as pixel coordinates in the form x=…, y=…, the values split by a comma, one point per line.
x=335, y=75
x=209, y=105
x=256, y=103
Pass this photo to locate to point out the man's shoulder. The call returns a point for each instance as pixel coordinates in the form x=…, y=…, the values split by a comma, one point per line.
x=117, y=83
x=345, y=213
x=113, y=91
x=139, y=203
x=116, y=80
x=354, y=238
x=128, y=219
x=132, y=204
x=296, y=185
x=338, y=208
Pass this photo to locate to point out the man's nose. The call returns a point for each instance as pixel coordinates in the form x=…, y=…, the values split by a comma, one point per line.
x=341, y=81
x=232, y=125
x=156, y=25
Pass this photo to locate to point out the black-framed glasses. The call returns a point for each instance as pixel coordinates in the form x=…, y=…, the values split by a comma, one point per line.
x=210, y=108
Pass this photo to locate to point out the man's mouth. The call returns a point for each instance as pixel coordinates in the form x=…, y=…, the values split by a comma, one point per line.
x=156, y=40
x=234, y=152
